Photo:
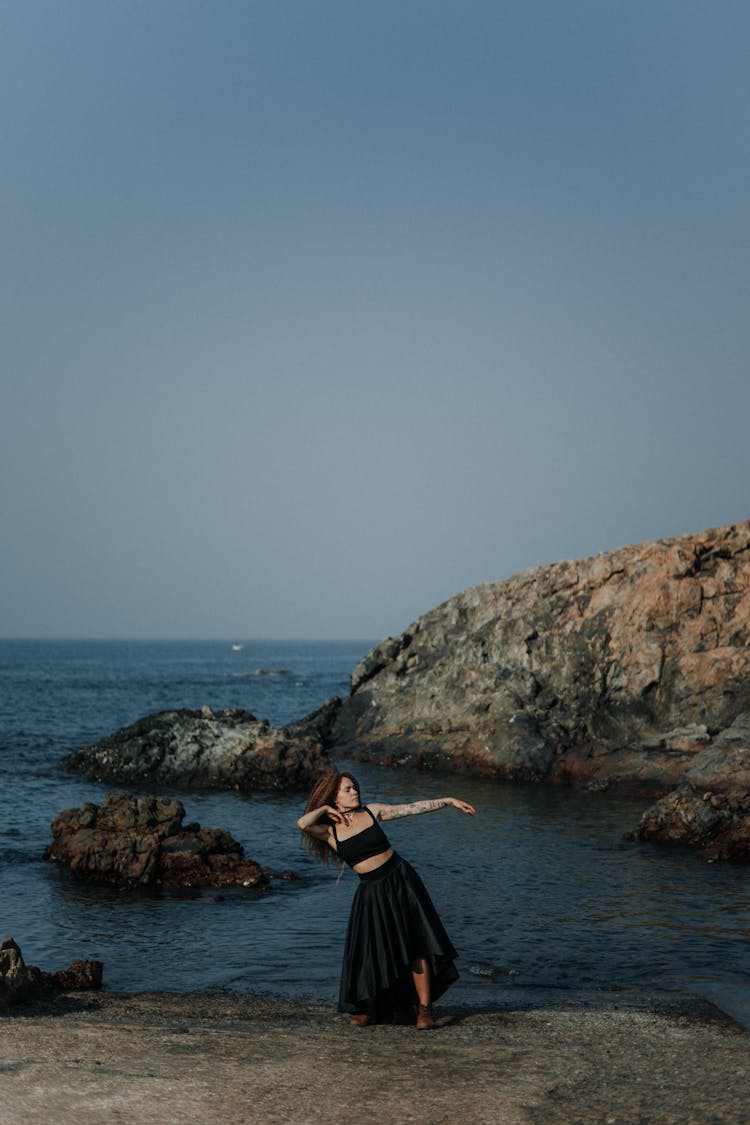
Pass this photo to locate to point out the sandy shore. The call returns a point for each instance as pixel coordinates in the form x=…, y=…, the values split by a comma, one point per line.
x=151, y=1057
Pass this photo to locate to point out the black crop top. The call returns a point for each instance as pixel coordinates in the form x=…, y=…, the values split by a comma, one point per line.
x=362, y=845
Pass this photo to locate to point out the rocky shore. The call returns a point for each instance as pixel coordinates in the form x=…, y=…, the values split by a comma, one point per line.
x=630, y=669
x=616, y=1059
x=21, y=983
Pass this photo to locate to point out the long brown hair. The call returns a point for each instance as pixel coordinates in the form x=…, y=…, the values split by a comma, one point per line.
x=324, y=792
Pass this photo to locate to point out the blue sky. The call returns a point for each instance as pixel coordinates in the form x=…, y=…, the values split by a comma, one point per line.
x=315, y=313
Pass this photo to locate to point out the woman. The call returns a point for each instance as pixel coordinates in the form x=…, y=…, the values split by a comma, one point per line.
x=397, y=954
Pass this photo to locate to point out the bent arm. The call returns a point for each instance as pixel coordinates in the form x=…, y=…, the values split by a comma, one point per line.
x=392, y=812
x=310, y=822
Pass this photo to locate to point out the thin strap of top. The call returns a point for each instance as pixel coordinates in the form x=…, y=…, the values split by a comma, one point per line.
x=364, y=808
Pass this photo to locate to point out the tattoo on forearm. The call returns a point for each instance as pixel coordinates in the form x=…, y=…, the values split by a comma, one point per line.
x=394, y=811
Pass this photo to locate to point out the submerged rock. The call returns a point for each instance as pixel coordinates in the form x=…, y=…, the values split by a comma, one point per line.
x=204, y=749
x=139, y=841
x=21, y=983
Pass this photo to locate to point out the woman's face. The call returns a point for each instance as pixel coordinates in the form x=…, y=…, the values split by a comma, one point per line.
x=347, y=796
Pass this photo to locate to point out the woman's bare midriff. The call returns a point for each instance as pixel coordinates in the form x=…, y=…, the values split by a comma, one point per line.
x=373, y=862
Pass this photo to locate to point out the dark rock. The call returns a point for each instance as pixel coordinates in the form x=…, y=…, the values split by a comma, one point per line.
x=21, y=983
x=80, y=976
x=712, y=809
x=717, y=822
x=201, y=749
x=139, y=841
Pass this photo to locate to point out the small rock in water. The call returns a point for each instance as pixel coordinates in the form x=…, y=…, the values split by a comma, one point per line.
x=129, y=841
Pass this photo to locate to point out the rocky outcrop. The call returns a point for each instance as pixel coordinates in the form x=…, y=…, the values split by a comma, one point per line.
x=208, y=750
x=628, y=669
x=140, y=841
x=21, y=983
x=623, y=667
x=711, y=809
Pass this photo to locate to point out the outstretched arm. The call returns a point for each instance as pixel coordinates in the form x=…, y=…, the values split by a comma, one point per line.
x=392, y=812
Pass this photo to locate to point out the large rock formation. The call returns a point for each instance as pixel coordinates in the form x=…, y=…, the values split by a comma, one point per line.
x=627, y=668
x=209, y=750
x=620, y=667
x=129, y=841
x=21, y=983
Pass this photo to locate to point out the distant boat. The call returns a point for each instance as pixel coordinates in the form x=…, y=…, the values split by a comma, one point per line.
x=237, y=648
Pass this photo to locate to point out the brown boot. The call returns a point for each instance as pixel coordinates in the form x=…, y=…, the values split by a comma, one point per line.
x=424, y=1017
x=361, y=1019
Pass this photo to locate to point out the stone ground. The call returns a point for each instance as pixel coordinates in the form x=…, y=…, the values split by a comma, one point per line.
x=216, y=1058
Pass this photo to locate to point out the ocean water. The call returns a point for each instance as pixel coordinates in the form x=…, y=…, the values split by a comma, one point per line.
x=538, y=891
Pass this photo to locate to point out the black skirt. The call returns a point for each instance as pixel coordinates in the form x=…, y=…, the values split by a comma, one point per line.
x=392, y=925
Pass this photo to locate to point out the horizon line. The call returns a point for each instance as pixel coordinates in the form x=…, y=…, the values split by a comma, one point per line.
x=194, y=639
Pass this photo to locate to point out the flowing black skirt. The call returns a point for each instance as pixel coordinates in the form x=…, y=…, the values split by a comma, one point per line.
x=392, y=925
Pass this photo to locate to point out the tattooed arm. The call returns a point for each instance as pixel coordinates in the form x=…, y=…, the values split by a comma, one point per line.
x=392, y=812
